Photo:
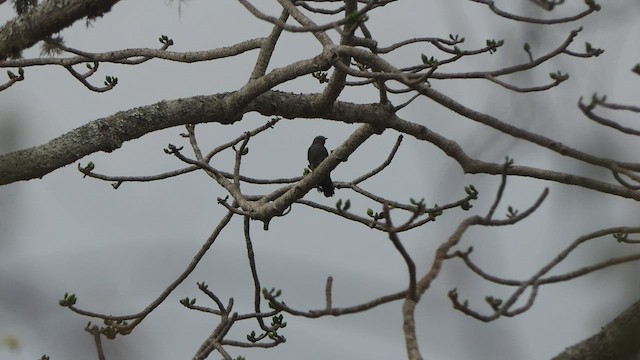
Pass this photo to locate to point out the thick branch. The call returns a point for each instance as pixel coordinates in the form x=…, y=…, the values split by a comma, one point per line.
x=107, y=134
x=617, y=340
x=45, y=20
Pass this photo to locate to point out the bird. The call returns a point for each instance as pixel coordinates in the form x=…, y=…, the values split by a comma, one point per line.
x=316, y=153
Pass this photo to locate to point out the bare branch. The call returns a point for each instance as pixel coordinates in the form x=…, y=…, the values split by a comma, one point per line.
x=337, y=311
x=377, y=170
x=124, y=56
x=83, y=80
x=504, y=309
x=267, y=48
x=503, y=184
x=257, y=289
x=97, y=338
x=138, y=317
x=587, y=110
x=411, y=267
x=327, y=293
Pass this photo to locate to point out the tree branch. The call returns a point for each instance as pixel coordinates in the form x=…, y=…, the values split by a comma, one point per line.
x=46, y=19
x=617, y=340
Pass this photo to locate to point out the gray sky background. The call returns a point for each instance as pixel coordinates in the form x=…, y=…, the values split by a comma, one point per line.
x=117, y=250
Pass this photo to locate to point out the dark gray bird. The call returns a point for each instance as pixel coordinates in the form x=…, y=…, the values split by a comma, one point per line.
x=316, y=153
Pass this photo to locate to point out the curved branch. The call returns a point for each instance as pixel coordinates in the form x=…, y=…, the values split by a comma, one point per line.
x=503, y=309
x=192, y=265
x=531, y=20
x=524, y=89
x=587, y=110
x=384, y=164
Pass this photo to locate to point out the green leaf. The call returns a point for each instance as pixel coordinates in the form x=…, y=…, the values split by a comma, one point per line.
x=592, y=5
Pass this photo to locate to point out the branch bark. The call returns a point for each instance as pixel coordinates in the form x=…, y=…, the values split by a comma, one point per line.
x=45, y=20
x=108, y=134
x=618, y=340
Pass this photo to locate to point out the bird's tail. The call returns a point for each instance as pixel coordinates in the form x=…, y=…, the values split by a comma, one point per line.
x=327, y=187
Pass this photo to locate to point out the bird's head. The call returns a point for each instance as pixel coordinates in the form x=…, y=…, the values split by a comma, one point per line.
x=319, y=139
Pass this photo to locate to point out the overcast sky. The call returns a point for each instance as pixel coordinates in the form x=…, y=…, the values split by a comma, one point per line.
x=117, y=250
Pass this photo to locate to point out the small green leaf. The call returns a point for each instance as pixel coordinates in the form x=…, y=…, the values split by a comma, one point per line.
x=252, y=337
x=511, y=212
x=592, y=5
x=68, y=300
x=620, y=237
